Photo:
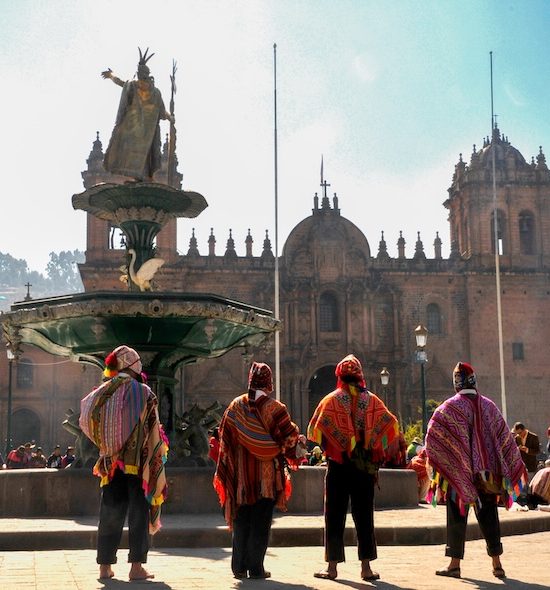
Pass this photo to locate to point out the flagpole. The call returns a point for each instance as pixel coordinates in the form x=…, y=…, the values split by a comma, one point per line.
x=276, y=187
x=497, y=257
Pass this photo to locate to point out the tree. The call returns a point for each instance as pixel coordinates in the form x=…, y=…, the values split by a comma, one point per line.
x=62, y=270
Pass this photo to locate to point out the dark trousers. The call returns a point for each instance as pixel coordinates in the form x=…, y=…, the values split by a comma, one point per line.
x=124, y=494
x=487, y=517
x=251, y=528
x=342, y=482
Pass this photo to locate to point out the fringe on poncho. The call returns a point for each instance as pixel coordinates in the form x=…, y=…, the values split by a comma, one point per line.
x=471, y=450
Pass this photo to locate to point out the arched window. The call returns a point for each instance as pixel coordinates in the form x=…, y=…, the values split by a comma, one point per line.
x=526, y=224
x=433, y=319
x=501, y=232
x=328, y=313
x=25, y=371
x=117, y=240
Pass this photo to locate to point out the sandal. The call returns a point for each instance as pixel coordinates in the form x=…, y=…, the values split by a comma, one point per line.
x=265, y=574
x=371, y=578
x=499, y=573
x=325, y=575
x=454, y=572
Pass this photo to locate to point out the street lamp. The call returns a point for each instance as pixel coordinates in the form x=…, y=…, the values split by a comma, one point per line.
x=384, y=379
x=11, y=358
x=421, y=335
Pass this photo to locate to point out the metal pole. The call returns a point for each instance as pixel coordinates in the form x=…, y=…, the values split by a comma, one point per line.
x=497, y=259
x=423, y=388
x=276, y=310
x=8, y=430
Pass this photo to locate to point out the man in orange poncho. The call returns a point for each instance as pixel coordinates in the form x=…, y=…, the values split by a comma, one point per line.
x=355, y=428
x=257, y=440
x=121, y=418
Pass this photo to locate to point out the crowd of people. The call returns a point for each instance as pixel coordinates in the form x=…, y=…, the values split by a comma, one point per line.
x=31, y=456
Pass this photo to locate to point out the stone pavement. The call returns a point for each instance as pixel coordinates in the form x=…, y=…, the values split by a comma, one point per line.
x=526, y=561
x=422, y=525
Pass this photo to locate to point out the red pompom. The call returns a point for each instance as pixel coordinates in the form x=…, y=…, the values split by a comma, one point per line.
x=111, y=361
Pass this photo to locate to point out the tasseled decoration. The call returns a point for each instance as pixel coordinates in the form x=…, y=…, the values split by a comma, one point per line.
x=110, y=366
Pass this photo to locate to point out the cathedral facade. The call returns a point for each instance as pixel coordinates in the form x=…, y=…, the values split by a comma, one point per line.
x=338, y=296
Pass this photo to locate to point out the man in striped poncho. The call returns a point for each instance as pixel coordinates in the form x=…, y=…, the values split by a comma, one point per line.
x=121, y=418
x=257, y=443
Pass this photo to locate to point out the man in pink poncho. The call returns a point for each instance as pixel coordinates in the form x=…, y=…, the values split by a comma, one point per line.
x=121, y=418
x=475, y=461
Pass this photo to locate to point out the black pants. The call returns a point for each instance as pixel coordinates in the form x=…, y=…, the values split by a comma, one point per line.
x=251, y=528
x=124, y=494
x=487, y=517
x=342, y=482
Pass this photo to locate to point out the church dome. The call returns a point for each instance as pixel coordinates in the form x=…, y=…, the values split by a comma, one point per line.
x=326, y=242
x=505, y=153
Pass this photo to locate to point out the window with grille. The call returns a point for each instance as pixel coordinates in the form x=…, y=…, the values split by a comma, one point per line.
x=433, y=319
x=328, y=313
x=517, y=351
x=24, y=373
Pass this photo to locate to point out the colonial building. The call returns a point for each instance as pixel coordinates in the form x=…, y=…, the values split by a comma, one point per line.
x=338, y=295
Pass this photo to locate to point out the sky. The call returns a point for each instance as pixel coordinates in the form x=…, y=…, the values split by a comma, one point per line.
x=389, y=94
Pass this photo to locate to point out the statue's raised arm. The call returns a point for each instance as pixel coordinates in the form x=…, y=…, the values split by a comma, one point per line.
x=108, y=75
x=134, y=149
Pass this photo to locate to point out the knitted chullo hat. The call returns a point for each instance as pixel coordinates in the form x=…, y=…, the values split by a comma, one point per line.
x=348, y=367
x=464, y=377
x=260, y=377
x=122, y=357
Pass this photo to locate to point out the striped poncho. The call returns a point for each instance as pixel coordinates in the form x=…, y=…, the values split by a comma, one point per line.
x=121, y=418
x=347, y=417
x=257, y=441
x=471, y=450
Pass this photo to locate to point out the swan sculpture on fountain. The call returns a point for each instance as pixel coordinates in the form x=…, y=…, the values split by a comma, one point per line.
x=144, y=275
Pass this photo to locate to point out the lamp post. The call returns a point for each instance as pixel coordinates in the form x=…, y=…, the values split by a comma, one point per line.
x=11, y=358
x=384, y=379
x=421, y=335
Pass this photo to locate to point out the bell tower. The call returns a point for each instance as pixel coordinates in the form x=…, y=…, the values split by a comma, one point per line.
x=522, y=207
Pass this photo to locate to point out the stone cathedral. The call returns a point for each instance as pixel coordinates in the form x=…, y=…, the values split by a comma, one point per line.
x=339, y=294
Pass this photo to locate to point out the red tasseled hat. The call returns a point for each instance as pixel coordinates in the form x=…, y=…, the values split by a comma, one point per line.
x=260, y=377
x=464, y=377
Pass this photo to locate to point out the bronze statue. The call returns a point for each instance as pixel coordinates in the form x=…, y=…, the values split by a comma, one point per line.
x=134, y=149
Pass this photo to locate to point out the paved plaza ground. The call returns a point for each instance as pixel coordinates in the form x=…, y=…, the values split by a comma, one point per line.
x=526, y=560
x=192, y=551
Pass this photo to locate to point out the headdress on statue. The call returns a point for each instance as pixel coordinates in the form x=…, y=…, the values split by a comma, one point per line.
x=348, y=370
x=143, y=71
x=260, y=377
x=122, y=357
x=464, y=377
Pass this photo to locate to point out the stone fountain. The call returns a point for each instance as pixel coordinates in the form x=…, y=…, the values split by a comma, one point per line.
x=168, y=329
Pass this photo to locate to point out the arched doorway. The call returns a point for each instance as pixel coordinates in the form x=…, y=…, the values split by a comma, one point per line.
x=25, y=427
x=322, y=382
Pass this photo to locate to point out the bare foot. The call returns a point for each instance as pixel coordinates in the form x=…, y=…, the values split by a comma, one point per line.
x=138, y=572
x=106, y=572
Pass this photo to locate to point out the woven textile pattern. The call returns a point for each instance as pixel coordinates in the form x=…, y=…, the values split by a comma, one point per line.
x=347, y=416
x=121, y=418
x=257, y=439
x=470, y=447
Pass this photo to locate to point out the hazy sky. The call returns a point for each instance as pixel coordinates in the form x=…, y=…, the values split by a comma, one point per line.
x=389, y=93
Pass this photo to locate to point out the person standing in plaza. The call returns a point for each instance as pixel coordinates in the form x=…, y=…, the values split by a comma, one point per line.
x=121, y=418
x=54, y=460
x=355, y=428
x=529, y=446
x=475, y=460
x=257, y=441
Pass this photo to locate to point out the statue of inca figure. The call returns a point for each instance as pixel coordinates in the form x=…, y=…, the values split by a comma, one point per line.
x=134, y=149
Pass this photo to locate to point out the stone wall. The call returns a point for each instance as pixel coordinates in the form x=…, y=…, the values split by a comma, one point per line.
x=75, y=492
